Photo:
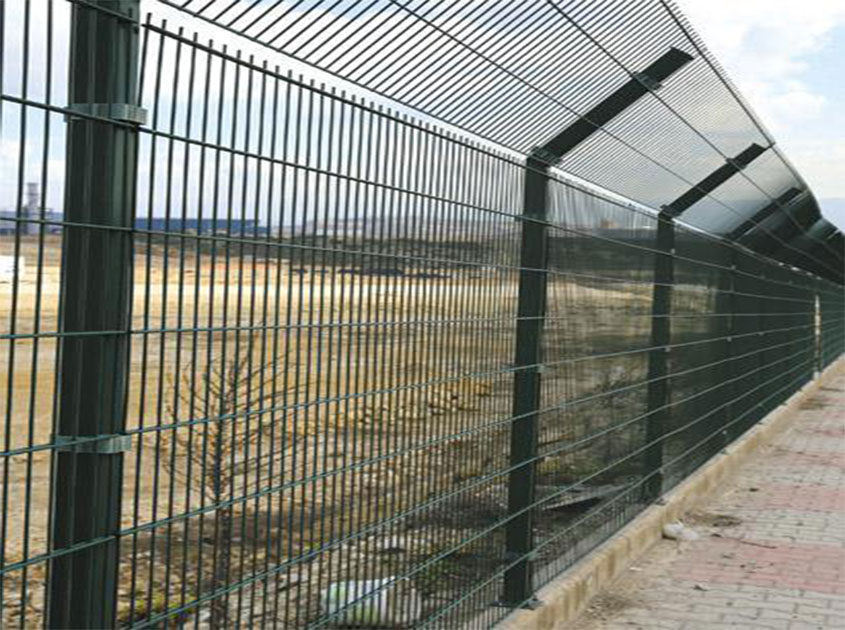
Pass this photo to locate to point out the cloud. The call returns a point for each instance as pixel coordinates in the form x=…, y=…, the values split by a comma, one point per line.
x=824, y=158
x=795, y=103
x=834, y=210
x=767, y=47
x=773, y=34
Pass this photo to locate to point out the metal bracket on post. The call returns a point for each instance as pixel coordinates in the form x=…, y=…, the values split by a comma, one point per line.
x=97, y=444
x=731, y=167
x=647, y=81
x=640, y=84
x=763, y=214
x=530, y=604
x=121, y=112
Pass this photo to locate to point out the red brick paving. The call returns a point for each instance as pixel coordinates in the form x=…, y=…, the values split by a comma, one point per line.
x=782, y=567
x=817, y=568
x=798, y=497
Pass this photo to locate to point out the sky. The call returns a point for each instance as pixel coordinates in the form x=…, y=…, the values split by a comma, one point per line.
x=787, y=57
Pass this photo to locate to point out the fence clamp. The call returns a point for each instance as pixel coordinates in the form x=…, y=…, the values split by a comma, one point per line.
x=121, y=112
x=739, y=166
x=647, y=81
x=97, y=444
x=542, y=153
x=528, y=604
x=530, y=217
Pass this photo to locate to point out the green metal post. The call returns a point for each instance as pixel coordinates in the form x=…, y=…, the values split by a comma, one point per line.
x=726, y=304
x=534, y=260
x=96, y=297
x=825, y=346
x=758, y=306
x=658, y=358
x=531, y=311
x=818, y=364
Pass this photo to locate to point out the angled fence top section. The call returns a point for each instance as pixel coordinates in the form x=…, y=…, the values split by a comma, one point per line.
x=282, y=353
x=622, y=94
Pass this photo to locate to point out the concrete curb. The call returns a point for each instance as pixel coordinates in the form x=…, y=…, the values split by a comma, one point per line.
x=566, y=597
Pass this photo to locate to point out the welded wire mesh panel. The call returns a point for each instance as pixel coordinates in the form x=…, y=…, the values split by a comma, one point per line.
x=594, y=399
x=534, y=68
x=33, y=57
x=277, y=354
x=697, y=358
x=321, y=361
x=831, y=323
x=714, y=216
x=742, y=331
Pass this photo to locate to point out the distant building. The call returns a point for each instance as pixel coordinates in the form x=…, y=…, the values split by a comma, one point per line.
x=27, y=218
x=31, y=215
x=235, y=227
x=420, y=226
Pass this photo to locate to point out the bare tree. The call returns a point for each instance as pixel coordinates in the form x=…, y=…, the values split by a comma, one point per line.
x=237, y=424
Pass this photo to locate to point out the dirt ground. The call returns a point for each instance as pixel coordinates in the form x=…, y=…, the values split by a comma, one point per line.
x=317, y=385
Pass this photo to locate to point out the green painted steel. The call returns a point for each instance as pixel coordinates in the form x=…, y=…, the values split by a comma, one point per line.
x=661, y=344
x=95, y=294
x=531, y=312
x=276, y=354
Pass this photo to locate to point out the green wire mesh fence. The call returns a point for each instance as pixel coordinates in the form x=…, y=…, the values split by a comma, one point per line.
x=278, y=355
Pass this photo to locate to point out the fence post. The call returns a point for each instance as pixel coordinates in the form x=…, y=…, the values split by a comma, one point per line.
x=531, y=311
x=817, y=333
x=96, y=297
x=658, y=358
x=661, y=309
x=725, y=308
x=519, y=536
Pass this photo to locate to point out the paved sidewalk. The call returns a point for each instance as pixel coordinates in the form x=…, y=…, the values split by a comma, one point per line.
x=772, y=548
